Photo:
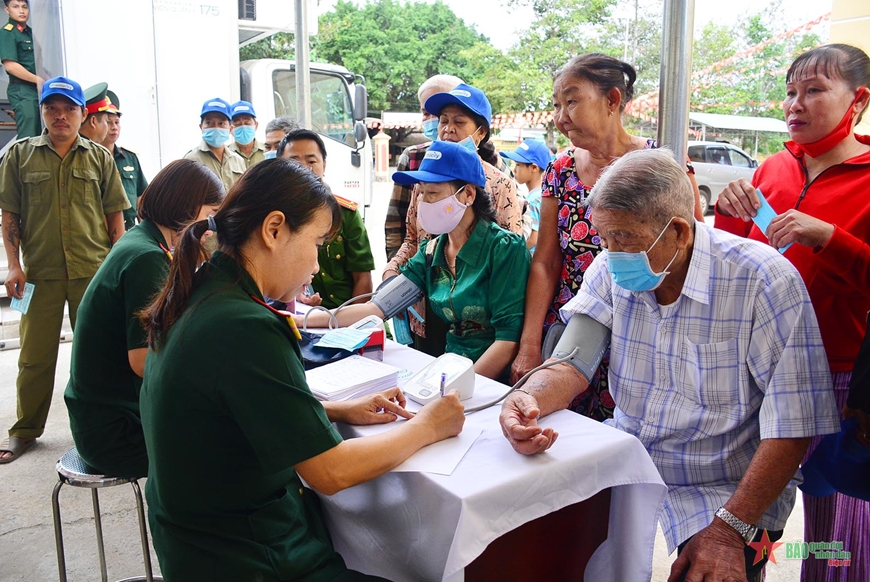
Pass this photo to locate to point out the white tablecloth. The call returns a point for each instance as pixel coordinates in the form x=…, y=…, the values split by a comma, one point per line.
x=428, y=527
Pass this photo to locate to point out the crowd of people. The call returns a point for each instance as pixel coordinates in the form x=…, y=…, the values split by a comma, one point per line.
x=728, y=357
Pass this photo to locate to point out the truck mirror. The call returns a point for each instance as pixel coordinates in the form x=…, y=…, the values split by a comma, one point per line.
x=359, y=132
x=360, y=104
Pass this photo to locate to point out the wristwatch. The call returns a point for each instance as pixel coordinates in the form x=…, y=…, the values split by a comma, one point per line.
x=746, y=531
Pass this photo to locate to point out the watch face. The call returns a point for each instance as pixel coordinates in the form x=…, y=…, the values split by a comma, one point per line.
x=750, y=534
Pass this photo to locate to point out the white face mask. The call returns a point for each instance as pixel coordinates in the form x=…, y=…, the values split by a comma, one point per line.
x=443, y=216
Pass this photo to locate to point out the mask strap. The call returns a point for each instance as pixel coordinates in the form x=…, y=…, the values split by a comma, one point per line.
x=660, y=236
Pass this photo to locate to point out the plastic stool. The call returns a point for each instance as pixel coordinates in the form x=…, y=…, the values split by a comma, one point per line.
x=72, y=470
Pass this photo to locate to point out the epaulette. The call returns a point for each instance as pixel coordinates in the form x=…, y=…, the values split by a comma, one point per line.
x=345, y=203
x=128, y=150
x=8, y=27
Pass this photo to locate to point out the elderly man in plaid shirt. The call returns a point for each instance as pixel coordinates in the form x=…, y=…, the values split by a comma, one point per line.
x=716, y=366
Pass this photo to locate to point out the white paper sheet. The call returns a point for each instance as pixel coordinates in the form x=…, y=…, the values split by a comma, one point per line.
x=441, y=457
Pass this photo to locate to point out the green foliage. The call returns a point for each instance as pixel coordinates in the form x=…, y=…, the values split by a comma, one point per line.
x=395, y=45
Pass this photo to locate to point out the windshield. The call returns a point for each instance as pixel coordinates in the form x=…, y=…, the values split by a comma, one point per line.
x=331, y=109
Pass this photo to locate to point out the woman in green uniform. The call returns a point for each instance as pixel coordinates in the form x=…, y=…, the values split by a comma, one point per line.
x=109, y=347
x=229, y=421
x=473, y=272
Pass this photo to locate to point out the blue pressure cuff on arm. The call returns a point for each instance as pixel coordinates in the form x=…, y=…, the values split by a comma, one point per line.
x=395, y=295
x=591, y=340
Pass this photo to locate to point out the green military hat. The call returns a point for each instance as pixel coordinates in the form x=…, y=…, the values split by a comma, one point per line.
x=114, y=104
x=95, y=98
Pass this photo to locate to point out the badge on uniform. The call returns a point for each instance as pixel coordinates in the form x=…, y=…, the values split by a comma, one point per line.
x=128, y=168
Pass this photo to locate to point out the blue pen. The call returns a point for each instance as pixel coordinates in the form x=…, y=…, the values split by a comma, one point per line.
x=443, y=383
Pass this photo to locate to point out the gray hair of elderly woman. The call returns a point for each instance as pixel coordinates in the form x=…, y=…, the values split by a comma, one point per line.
x=647, y=184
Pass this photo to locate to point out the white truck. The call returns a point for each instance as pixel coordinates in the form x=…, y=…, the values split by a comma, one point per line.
x=164, y=58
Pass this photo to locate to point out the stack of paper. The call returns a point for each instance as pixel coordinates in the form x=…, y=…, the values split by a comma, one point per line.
x=351, y=377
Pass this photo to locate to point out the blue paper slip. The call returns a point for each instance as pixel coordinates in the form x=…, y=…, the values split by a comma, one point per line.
x=345, y=338
x=402, y=331
x=764, y=215
x=23, y=304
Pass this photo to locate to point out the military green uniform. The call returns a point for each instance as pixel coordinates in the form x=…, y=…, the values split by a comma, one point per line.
x=227, y=413
x=229, y=170
x=62, y=204
x=17, y=45
x=258, y=154
x=133, y=180
x=348, y=252
x=102, y=396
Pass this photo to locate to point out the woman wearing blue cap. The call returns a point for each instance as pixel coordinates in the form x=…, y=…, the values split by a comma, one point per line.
x=464, y=115
x=472, y=271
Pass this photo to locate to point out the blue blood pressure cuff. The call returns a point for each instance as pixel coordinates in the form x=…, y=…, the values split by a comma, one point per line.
x=395, y=295
x=590, y=338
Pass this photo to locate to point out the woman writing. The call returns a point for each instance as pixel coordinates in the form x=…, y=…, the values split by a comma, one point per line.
x=464, y=116
x=818, y=188
x=230, y=424
x=472, y=271
x=589, y=96
x=109, y=348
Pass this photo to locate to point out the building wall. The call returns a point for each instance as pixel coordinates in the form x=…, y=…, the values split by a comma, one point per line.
x=850, y=24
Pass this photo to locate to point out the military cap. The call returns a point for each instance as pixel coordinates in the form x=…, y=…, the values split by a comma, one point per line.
x=114, y=104
x=95, y=98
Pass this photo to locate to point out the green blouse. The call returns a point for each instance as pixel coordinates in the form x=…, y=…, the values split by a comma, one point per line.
x=485, y=302
x=227, y=414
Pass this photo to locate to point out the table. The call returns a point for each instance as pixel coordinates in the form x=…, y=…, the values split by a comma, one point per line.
x=429, y=527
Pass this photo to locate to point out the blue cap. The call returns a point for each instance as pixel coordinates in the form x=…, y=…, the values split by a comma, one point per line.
x=242, y=108
x=839, y=463
x=531, y=151
x=464, y=95
x=445, y=162
x=216, y=105
x=63, y=86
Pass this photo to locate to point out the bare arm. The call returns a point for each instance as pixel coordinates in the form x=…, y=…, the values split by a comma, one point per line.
x=362, y=283
x=16, y=69
x=547, y=391
x=699, y=212
x=540, y=289
x=115, y=226
x=359, y=460
x=136, y=358
x=716, y=552
x=378, y=408
x=347, y=316
x=10, y=224
x=496, y=358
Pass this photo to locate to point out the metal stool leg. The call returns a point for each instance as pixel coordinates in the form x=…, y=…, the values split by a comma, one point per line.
x=58, y=531
x=143, y=530
x=98, y=523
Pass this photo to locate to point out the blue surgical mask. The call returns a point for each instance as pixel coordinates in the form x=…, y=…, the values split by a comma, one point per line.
x=244, y=134
x=468, y=143
x=215, y=136
x=632, y=271
x=430, y=129
x=270, y=154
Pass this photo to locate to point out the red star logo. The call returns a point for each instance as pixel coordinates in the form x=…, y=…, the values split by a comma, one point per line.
x=764, y=546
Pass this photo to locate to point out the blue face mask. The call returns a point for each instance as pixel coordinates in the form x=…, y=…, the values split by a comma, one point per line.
x=215, y=136
x=430, y=129
x=632, y=271
x=270, y=154
x=244, y=134
x=468, y=143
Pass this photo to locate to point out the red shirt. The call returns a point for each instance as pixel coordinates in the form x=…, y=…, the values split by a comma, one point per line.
x=837, y=276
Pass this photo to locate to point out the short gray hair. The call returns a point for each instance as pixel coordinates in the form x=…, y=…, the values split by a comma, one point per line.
x=284, y=124
x=441, y=83
x=647, y=184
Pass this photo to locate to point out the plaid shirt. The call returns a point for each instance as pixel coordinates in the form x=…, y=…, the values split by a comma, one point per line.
x=397, y=211
x=736, y=359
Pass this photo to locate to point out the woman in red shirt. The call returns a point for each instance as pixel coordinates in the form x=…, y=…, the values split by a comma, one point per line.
x=818, y=189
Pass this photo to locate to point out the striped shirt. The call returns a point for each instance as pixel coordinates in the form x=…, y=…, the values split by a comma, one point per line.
x=736, y=359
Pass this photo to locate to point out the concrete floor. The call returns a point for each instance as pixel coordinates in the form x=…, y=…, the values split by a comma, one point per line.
x=27, y=550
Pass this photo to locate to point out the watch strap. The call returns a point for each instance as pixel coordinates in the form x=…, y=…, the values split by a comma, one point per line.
x=746, y=531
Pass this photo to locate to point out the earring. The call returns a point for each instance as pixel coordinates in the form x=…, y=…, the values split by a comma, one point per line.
x=610, y=113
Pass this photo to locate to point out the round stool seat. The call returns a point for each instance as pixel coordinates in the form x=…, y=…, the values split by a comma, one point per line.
x=72, y=469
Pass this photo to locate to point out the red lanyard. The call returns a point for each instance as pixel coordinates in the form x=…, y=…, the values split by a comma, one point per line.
x=165, y=250
x=285, y=314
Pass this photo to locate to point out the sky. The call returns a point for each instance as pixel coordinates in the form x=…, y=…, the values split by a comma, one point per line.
x=502, y=26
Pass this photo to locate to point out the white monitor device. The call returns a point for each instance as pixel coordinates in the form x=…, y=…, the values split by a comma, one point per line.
x=425, y=385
